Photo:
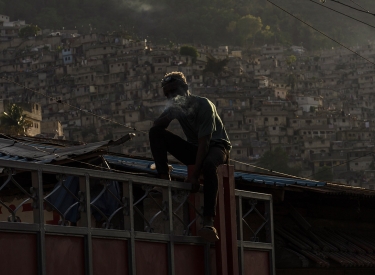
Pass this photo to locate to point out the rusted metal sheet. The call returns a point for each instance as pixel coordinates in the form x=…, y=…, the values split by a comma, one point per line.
x=151, y=258
x=18, y=254
x=110, y=257
x=256, y=263
x=64, y=255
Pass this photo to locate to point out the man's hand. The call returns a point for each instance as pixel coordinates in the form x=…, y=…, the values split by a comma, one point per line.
x=194, y=184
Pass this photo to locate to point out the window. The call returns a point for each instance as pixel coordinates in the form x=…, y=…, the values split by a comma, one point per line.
x=238, y=152
x=276, y=119
x=37, y=107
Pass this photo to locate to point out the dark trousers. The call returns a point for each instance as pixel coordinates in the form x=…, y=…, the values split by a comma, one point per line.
x=163, y=141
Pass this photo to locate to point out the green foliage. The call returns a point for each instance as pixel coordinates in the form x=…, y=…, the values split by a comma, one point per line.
x=246, y=27
x=215, y=66
x=324, y=174
x=189, y=51
x=2, y=7
x=28, y=31
x=211, y=22
x=13, y=121
x=291, y=59
x=277, y=160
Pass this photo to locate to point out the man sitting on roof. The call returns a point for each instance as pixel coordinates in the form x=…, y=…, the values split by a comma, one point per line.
x=207, y=144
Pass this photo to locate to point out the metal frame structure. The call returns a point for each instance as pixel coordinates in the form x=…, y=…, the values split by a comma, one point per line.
x=168, y=208
x=246, y=245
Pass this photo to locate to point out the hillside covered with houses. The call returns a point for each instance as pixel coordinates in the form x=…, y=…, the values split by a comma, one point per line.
x=317, y=106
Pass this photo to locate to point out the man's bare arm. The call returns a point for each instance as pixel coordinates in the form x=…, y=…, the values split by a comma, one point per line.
x=164, y=120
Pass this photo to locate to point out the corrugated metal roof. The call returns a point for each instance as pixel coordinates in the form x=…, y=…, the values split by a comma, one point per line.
x=32, y=151
x=329, y=247
x=181, y=171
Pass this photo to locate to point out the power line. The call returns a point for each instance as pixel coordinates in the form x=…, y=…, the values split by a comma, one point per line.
x=322, y=33
x=359, y=6
x=71, y=106
x=351, y=7
x=372, y=26
x=296, y=177
x=273, y=171
x=365, y=155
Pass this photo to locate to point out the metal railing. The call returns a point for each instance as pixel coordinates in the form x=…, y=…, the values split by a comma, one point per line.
x=99, y=204
x=255, y=226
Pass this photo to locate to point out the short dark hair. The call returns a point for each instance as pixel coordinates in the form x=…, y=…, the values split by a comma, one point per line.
x=178, y=75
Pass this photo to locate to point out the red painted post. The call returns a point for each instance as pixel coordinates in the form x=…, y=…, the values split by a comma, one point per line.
x=220, y=222
x=230, y=217
x=221, y=245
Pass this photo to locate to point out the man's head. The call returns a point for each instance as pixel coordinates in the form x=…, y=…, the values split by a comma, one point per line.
x=174, y=84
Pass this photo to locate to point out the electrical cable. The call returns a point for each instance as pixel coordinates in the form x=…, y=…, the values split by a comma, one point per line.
x=296, y=177
x=322, y=33
x=351, y=7
x=359, y=6
x=365, y=155
x=70, y=105
x=272, y=171
x=372, y=26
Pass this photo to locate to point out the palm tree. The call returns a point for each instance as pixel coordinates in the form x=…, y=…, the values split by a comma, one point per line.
x=14, y=121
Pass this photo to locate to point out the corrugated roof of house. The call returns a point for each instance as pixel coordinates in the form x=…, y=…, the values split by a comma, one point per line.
x=38, y=151
x=330, y=247
x=181, y=171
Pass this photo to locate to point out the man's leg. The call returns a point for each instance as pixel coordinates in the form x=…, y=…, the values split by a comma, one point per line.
x=163, y=141
x=215, y=157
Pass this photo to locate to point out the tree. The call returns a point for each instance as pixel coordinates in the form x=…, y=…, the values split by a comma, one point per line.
x=28, y=31
x=277, y=160
x=247, y=26
x=267, y=34
x=14, y=121
x=291, y=59
x=190, y=51
x=324, y=174
x=215, y=66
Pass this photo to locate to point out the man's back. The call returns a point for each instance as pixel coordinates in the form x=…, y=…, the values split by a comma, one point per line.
x=198, y=117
